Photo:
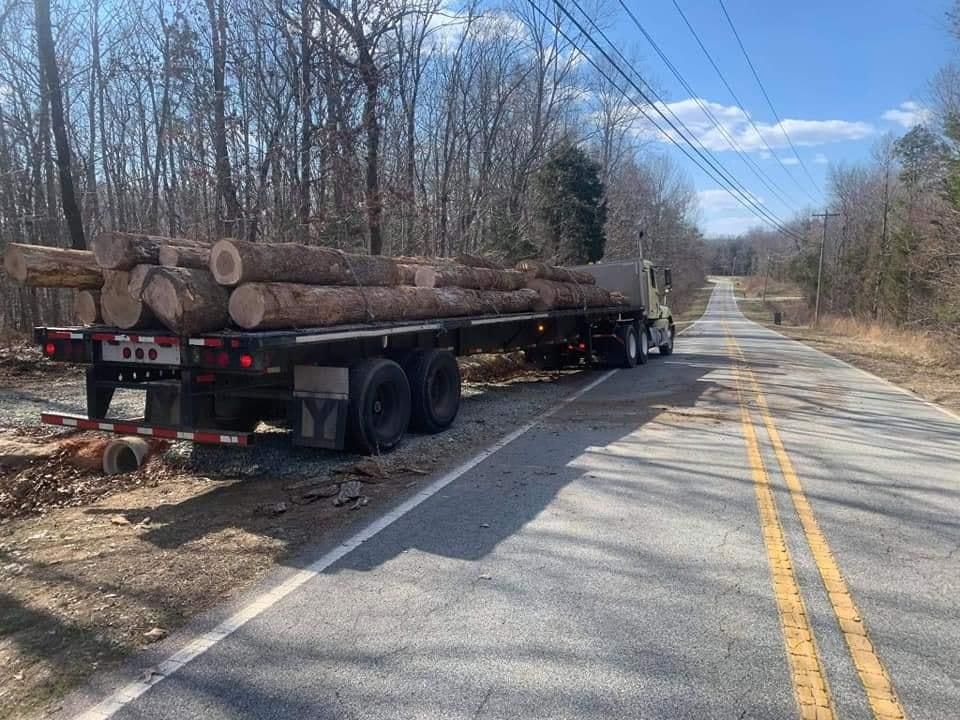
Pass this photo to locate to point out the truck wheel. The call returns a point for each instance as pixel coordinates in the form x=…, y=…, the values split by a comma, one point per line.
x=434, y=378
x=379, y=407
x=644, y=343
x=667, y=347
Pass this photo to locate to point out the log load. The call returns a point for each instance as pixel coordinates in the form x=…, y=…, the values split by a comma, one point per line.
x=552, y=295
x=257, y=306
x=469, y=277
x=477, y=261
x=186, y=300
x=233, y=262
x=124, y=251
x=137, y=279
x=42, y=266
x=542, y=271
x=86, y=307
x=118, y=306
x=185, y=257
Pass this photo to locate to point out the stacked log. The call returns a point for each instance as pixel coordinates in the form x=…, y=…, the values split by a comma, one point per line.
x=261, y=306
x=124, y=251
x=537, y=270
x=120, y=307
x=86, y=306
x=186, y=300
x=464, y=276
x=42, y=266
x=184, y=256
x=553, y=295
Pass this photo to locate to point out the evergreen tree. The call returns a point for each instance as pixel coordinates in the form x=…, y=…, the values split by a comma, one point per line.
x=571, y=207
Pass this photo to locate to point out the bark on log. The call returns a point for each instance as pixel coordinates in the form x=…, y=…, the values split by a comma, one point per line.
x=42, y=266
x=186, y=300
x=237, y=261
x=118, y=306
x=542, y=271
x=123, y=251
x=86, y=306
x=478, y=261
x=554, y=295
x=469, y=277
x=185, y=257
x=257, y=306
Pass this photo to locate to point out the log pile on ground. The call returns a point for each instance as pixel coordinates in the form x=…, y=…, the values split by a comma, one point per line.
x=136, y=281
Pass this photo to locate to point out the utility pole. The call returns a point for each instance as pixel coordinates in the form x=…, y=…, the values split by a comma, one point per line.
x=823, y=241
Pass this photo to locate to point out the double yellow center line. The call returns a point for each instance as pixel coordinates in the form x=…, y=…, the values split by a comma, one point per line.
x=809, y=680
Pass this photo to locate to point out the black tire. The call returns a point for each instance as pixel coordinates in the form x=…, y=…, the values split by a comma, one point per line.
x=667, y=347
x=379, y=409
x=434, y=378
x=630, y=353
x=644, y=354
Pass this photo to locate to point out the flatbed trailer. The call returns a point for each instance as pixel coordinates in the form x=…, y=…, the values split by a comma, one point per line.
x=356, y=386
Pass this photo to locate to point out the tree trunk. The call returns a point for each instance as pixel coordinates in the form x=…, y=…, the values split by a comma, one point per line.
x=237, y=261
x=48, y=59
x=280, y=305
x=469, y=277
x=186, y=301
x=557, y=295
x=42, y=266
x=185, y=257
x=123, y=251
x=543, y=271
x=87, y=307
x=119, y=307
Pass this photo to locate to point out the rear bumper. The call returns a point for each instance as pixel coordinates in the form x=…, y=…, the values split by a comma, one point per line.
x=132, y=427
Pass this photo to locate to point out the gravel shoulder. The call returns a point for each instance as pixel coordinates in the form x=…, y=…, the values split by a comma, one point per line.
x=88, y=584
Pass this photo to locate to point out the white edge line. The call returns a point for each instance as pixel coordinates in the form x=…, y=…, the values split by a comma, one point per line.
x=199, y=645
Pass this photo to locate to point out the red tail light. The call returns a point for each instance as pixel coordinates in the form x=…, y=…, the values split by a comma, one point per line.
x=127, y=352
x=152, y=354
x=50, y=349
x=246, y=361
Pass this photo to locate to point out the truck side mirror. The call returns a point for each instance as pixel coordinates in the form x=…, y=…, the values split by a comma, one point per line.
x=667, y=279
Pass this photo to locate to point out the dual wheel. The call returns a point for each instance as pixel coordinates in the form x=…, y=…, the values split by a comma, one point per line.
x=387, y=398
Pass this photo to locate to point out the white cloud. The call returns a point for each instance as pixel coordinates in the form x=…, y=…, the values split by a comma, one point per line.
x=723, y=215
x=908, y=114
x=736, y=123
x=820, y=159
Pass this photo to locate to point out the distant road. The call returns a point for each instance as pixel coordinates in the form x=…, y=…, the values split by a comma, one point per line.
x=745, y=529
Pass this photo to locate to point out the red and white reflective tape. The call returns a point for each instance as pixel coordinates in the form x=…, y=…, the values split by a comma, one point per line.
x=164, y=433
x=61, y=335
x=206, y=342
x=147, y=339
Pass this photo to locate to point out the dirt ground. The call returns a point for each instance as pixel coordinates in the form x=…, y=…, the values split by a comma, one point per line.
x=93, y=568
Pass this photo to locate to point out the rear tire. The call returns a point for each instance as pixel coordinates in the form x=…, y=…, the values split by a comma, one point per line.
x=379, y=407
x=434, y=379
x=644, y=353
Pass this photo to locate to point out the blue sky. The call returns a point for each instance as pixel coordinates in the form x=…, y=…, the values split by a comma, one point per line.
x=840, y=75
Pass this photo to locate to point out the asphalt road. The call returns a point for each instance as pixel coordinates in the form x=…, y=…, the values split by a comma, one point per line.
x=745, y=529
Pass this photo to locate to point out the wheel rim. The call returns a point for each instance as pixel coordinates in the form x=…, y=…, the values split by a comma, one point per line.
x=643, y=344
x=383, y=409
x=632, y=345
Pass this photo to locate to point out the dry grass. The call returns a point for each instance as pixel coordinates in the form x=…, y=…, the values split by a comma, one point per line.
x=691, y=308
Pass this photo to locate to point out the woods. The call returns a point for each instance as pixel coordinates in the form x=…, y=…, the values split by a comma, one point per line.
x=405, y=127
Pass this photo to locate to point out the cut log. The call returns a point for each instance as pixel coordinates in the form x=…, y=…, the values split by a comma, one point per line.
x=42, y=266
x=86, y=306
x=238, y=261
x=543, y=271
x=257, y=306
x=185, y=257
x=469, y=277
x=118, y=306
x=123, y=251
x=408, y=274
x=186, y=300
x=477, y=261
x=138, y=279
x=554, y=295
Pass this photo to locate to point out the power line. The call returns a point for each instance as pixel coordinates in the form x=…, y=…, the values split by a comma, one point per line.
x=713, y=160
x=739, y=102
x=767, y=181
x=741, y=197
x=756, y=76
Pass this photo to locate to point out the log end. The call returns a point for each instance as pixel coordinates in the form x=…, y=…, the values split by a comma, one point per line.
x=87, y=307
x=14, y=264
x=225, y=263
x=246, y=306
x=425, y=276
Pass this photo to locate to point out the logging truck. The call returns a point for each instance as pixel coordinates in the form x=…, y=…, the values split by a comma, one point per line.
x=359, y=386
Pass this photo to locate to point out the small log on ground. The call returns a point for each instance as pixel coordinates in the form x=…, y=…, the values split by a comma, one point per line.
x=42, y=266
x=86, y=307
x=543, y=271
x=238, y=261
x=185, y=257
x=469, y=277
x=554, y=295
x=283, y=305
x=118, y=306
x=186, y=300
x=123, y=251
